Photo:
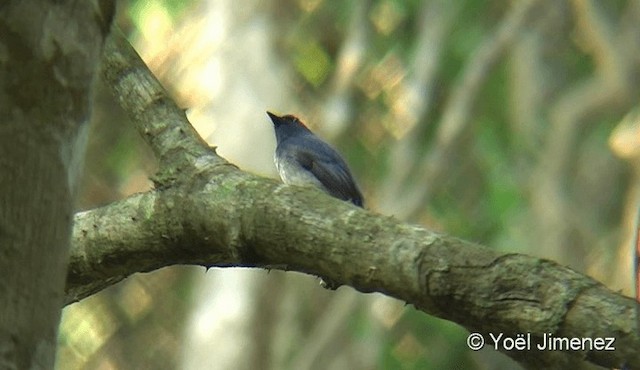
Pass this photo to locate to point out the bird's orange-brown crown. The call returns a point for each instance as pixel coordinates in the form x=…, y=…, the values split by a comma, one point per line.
x=294, y=119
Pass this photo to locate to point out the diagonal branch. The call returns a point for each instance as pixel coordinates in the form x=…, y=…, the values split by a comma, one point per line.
x=156, y=117
x=217, y=215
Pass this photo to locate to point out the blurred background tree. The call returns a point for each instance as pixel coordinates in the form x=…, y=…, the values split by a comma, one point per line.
x=496, y=121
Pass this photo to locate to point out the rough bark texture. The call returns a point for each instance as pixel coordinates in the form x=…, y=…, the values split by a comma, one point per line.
x=49, y=53
x=208, y=212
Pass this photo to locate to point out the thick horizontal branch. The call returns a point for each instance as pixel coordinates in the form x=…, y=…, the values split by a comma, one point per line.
x=217, y=215
x=236, y=219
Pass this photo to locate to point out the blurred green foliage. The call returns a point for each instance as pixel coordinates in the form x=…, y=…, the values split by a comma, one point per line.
x=312, y=62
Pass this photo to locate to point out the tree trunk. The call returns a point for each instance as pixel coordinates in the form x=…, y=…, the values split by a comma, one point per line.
x=49, y=52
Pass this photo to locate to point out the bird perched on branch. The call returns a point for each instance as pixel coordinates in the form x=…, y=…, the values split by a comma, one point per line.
x=302, y=158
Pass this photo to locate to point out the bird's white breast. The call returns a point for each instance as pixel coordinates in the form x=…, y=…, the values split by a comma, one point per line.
x=293, y=174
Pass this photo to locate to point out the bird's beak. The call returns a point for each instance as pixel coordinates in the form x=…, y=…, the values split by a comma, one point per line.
x=275, y=119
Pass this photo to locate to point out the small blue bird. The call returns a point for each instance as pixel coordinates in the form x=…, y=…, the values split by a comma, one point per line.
x=304, y=159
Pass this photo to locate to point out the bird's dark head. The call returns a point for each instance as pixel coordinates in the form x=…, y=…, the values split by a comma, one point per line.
x=287, y=125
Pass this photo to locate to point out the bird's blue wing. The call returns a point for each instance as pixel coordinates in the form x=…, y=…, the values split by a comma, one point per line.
x=330, y=170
